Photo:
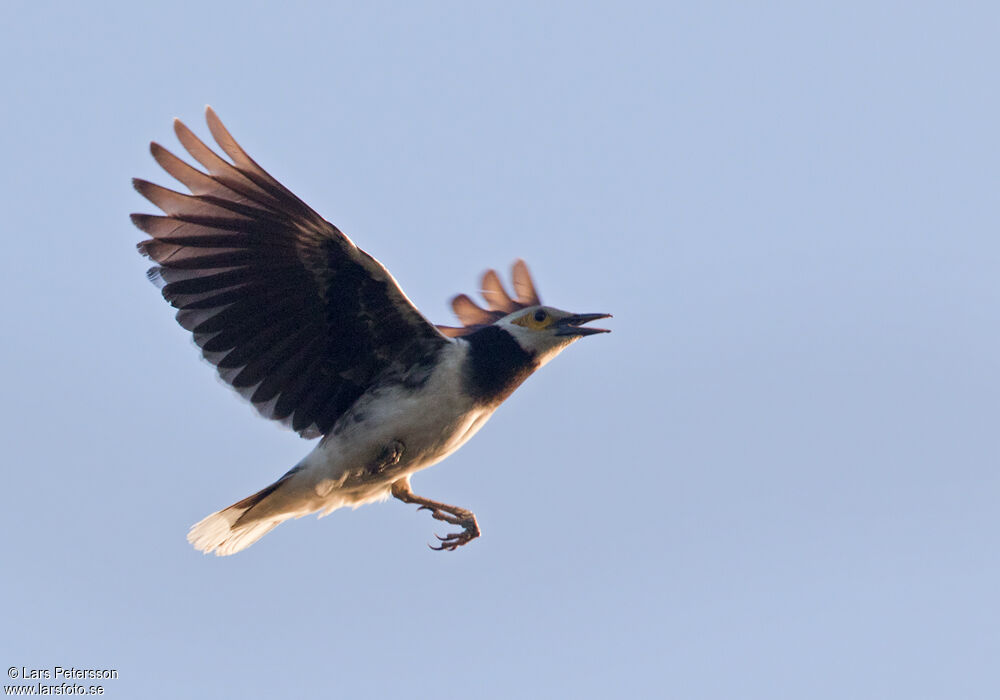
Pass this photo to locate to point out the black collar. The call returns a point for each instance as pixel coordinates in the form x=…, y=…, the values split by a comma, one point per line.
x=496, y=366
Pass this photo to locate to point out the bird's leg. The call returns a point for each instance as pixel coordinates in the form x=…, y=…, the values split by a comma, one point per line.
x=388, y=457
x=441, y=511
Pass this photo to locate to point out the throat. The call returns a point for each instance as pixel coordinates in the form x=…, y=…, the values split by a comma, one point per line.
x=496, y=365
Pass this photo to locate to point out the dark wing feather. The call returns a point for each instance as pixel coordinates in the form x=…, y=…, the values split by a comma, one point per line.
x=295, y=317
x=474, y=317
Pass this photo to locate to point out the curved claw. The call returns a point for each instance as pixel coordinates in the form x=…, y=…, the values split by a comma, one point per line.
x=443, y=540
x=455, y=540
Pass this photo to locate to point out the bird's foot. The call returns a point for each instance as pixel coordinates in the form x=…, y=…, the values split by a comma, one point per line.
x=443, y=512
x=460, y=516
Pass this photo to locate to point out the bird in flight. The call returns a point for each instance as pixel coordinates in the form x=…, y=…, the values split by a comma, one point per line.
x=317, y=334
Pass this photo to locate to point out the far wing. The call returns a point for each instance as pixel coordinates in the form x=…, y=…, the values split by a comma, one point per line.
x=499, y=302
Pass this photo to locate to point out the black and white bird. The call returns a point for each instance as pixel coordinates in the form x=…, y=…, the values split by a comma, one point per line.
x=316, y=333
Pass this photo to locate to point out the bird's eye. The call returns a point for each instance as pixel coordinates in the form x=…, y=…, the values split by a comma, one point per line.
x=540, y=315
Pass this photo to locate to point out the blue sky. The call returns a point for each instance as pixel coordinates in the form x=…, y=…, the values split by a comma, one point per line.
x=777, y=477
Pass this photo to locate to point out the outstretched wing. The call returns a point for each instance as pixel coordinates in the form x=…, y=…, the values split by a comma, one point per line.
x=499, y=302
x=295, y=317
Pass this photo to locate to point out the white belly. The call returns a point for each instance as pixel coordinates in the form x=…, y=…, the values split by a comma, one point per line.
x=430, y=423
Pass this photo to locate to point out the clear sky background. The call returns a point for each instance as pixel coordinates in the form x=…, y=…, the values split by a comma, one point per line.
x=777, y=477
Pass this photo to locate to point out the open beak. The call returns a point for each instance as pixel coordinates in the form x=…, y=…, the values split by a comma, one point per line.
x=571, y=325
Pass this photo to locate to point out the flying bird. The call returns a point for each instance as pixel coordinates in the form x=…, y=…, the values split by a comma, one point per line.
x=317, y=334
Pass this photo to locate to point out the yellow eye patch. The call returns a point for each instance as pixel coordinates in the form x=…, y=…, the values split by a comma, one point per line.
x=536, y=320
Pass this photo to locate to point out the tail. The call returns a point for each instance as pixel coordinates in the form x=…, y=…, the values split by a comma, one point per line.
x=235, y=528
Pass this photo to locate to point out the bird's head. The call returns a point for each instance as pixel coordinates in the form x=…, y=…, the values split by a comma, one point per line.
x=544, y=331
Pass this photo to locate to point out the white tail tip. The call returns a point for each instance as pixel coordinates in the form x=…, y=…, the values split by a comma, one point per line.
x=218, y=532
